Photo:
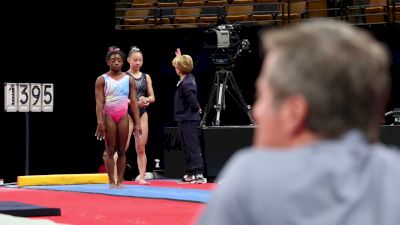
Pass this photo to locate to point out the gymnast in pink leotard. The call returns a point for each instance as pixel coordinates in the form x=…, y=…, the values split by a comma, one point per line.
x=115, y=92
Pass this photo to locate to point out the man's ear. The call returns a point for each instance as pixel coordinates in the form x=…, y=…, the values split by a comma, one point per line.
x=295, y=114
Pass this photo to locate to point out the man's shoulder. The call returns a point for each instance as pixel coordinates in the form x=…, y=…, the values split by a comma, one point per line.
x=265, y=161
x=389, y=155
x=316, y=159
x=270, y=154
x=257, y=169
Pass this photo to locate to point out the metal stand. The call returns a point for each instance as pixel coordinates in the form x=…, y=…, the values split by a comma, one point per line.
x=217, y=96
x=26, y=143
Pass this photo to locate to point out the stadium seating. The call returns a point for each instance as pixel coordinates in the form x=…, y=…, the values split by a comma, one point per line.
x=170, y=14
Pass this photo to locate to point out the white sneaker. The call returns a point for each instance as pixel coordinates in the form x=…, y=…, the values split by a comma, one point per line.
x=200, y=179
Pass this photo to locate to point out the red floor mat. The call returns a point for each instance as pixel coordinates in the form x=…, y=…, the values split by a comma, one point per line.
x=79, y=209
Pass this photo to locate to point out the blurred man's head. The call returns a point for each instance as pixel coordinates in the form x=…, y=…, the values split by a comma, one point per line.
x=320, y=79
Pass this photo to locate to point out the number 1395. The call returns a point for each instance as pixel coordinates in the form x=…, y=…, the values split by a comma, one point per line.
x=25, y=97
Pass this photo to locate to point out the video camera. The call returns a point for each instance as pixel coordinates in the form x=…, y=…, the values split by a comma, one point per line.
x=225, y=44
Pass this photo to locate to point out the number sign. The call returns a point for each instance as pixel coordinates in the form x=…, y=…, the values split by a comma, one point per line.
x=10, y=97
x=47, y=97
x=25, y=97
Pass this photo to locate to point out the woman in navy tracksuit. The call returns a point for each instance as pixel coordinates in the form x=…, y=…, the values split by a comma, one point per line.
x=187, y=114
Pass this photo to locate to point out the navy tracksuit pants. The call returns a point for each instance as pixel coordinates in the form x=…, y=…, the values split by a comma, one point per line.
x=189, y=138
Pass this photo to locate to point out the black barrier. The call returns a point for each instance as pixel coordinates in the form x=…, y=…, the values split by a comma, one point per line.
x=220, y=142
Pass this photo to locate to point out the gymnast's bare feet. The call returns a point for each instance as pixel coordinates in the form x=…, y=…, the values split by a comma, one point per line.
x=143, y=182
x=113, y=185
x=120, y=184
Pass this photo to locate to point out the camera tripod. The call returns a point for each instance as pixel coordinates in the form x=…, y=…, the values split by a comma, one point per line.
x=217, y=96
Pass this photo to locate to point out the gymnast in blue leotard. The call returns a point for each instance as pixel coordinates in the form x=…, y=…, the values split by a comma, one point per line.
x=145, y=96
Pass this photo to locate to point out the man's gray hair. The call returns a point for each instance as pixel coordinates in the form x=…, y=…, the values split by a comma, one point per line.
x=342, y=71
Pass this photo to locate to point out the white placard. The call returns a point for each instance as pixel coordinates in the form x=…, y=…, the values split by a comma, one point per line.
x=28, y=97
x=47, y=97
x=36, y=97
x=24, y=93
x=10, y=97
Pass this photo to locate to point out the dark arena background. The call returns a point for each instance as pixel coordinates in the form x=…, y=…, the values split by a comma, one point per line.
x=65, y=43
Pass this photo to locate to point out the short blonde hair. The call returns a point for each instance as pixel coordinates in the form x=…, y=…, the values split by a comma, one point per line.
x=184, y=63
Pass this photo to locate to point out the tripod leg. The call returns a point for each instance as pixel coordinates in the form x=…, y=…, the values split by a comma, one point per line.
x=218, y=107
x=246, y=108
x=211, y=97
x=222, y=75
x=225, y=87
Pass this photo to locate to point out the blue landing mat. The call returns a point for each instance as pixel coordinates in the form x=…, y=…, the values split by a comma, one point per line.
x=182, y=194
